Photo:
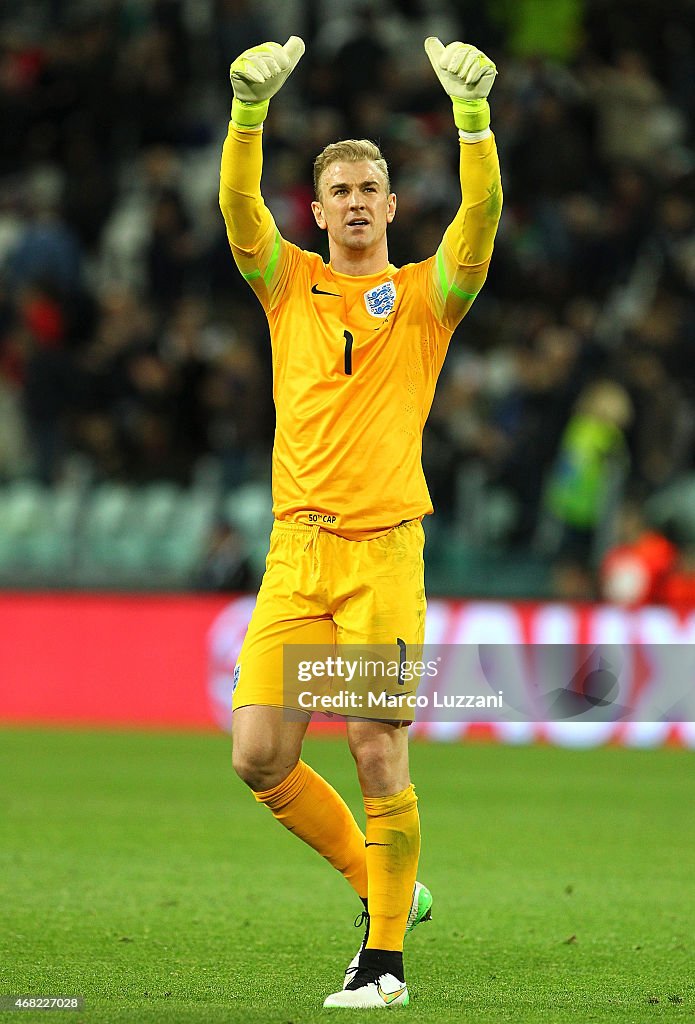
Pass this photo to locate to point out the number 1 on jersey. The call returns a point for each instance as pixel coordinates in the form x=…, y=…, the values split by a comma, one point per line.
x=348, y=352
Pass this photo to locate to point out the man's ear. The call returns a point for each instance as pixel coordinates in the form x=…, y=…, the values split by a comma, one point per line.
x=317, y=211
x=391, y=208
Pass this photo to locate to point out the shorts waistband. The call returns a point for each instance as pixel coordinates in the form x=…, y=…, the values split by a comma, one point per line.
x=287, y=527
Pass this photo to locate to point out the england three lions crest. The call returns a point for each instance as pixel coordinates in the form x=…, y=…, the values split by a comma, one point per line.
x=380, y=300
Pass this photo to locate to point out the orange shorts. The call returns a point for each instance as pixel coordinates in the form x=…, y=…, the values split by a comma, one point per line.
x=320, y=589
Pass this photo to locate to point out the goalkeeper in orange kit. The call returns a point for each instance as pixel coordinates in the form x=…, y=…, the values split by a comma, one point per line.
x=357, y=346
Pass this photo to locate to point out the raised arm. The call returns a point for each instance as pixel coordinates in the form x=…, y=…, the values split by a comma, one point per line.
x=255, y=242
x=462, y=260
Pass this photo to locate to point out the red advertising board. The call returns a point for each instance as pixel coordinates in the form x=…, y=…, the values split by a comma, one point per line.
x=168, y=661
x=106, y=660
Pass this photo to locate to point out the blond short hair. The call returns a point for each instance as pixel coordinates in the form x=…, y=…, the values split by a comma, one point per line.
x=351, y=151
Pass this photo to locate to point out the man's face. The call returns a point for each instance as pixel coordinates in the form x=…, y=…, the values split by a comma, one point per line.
x=354, y=206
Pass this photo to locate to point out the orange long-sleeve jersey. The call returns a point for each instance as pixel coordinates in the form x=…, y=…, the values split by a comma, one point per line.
x=356, y=359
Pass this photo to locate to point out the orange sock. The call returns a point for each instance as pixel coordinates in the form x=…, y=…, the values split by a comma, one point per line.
x=308, y=806
x=393, y=850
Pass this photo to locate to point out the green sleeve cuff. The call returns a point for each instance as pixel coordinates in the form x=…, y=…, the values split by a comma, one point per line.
x=249, y=115
x=471, y=115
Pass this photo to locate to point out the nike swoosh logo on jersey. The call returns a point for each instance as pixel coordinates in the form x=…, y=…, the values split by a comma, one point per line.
x=317, y=291
x=376, y=844
x=389, y=997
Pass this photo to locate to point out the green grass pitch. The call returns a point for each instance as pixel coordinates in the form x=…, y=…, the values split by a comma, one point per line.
x=136, y=871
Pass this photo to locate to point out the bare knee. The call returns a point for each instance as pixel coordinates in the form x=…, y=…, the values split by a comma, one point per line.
x=381, y=757
x=372, y=762
x=261, y=767
x=250, y=767
x=265, y=749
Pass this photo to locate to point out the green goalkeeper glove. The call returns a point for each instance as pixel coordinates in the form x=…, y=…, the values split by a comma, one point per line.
x=257, y=74
x=467, y=76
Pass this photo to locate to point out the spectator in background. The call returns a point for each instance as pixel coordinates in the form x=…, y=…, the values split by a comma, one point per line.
x=225, y=566
x=46, y=372
x=239, y=24
x=171, y=253
x=631, y=109
x=638, y=568
x=589, y=470
x=664, y=423
x=46, y=249
x=14, y=454
x=150, y=78
x=89, y=188
x=571, y=579
x=365, y=49
x=233, y=403
x=673, y=240
x=533, y=413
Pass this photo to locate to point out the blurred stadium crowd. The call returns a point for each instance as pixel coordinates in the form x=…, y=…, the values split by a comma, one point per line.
x=132, y=353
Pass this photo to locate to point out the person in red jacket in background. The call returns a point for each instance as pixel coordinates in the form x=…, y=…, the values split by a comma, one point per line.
x=638, y=569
